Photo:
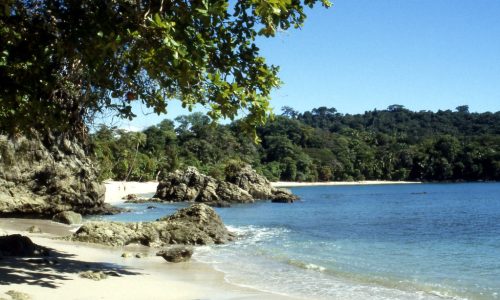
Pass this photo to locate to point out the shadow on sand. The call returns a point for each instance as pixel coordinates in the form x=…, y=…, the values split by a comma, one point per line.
x=50, y=271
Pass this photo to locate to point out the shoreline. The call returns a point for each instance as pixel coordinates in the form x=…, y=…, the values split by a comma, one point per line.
x=279, y=184
x=150, y=277
x=116, y=190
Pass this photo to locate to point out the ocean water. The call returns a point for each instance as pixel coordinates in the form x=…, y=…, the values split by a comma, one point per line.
x=417, y=241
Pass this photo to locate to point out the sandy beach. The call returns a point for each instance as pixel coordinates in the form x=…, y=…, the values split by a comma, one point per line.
x=149, y=277
x=116, y=190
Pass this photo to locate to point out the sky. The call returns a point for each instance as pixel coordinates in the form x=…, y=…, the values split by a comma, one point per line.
x=361, y=55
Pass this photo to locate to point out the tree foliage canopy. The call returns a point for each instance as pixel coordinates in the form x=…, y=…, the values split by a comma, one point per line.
x=317, y=145
x=61, y=61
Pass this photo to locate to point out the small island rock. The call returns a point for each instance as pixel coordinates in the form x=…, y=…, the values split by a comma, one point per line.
x=192, y=186
x=258, y=186
x=283, y=196
x=242, y=185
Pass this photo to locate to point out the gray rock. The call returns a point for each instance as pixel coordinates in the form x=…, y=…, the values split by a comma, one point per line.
x=94, y=275
x=192, y=186
x=176, y=254
x=34, y=229
x=200, y=217
x=258, y=186
x=283, y=196
x=19, y=245
x=144, y=200
x=247, y=178
x=194, y=225
x=41, y=176
x=243, y=185
x=68, y=217
x=126, y=255
x=218, y=204
x=130, y=197
x=16, y=295
x=108, y=233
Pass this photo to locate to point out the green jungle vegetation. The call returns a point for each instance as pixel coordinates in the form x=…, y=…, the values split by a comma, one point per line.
x=317, y=145
x=64, y=62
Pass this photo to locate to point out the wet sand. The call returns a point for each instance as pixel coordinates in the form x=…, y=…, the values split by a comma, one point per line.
x=150, y=277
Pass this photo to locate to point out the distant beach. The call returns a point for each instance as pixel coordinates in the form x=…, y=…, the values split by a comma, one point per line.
x=116, y=190
x=279, y=184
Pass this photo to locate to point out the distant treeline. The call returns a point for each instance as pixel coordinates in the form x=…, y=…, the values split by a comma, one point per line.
x=317, y=145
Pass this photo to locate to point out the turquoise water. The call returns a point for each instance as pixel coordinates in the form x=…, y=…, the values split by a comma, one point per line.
x=418, y=241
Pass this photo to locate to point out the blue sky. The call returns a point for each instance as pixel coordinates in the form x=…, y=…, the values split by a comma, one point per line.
x=366, y=54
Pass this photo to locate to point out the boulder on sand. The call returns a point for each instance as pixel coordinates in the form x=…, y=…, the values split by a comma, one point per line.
x=68, y=217
x=34, y=229
x=198, y=224
x=176, y=254
x=20, y=245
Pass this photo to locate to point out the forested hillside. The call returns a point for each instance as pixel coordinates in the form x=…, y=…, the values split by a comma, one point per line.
x=317, y=145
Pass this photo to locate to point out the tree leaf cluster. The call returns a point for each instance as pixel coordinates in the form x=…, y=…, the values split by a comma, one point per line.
x=62, y=61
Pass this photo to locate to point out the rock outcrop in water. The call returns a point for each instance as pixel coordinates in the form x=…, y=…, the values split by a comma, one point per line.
x=192, y=186
x=41, y=177
x=258, y=186
x=243, y=186
x=198, y=224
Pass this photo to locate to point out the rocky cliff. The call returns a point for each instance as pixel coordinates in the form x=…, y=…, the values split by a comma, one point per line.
x=43, y=176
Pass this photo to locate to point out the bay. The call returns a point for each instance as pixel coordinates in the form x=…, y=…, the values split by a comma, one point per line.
x=416, y=241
